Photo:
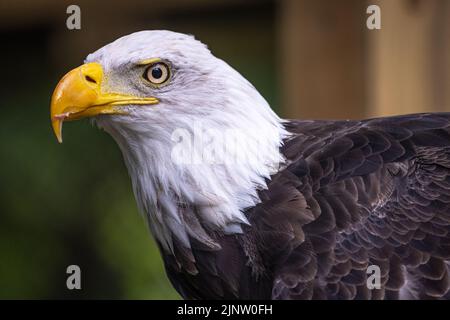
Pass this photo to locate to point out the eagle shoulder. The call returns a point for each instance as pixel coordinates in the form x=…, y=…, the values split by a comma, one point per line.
x=356, y=194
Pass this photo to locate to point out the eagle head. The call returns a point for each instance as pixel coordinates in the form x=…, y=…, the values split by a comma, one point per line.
x=197, y=137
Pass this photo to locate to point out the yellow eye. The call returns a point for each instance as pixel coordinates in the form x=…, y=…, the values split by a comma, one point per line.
x=157, y=73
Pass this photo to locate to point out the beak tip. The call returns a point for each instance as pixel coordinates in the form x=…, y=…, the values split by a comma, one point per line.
x=57, y=129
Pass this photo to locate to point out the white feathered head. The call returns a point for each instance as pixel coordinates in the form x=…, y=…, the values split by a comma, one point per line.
x=192, y=130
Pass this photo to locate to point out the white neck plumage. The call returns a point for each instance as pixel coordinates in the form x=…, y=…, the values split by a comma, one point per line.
x=216, y=165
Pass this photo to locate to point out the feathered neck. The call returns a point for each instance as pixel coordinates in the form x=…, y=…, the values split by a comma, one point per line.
x=214, y=166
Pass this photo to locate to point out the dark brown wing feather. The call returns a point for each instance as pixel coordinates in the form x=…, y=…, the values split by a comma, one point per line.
x=355, y=194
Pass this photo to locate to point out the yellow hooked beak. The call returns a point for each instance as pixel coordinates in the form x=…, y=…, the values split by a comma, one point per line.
x=78, y=95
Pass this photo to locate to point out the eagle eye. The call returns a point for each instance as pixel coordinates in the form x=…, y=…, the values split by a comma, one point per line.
x=157, y=73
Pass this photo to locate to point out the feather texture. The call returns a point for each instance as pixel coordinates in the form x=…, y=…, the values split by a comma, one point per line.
x=355, y=194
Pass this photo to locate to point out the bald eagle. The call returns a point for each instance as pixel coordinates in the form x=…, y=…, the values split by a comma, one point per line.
x=245, y=205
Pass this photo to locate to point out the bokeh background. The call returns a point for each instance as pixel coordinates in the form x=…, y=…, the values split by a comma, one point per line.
x=72, y=203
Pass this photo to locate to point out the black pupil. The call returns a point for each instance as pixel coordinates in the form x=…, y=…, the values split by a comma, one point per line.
x=157, y=73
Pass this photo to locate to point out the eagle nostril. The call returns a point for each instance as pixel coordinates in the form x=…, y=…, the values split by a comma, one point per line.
x=89, y=79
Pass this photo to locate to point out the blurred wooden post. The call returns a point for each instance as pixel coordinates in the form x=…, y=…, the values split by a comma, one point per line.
x=332, y=66
x=409, y=58
x=322, y=58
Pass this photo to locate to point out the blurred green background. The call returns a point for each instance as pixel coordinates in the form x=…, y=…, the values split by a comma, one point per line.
x=73, y=204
